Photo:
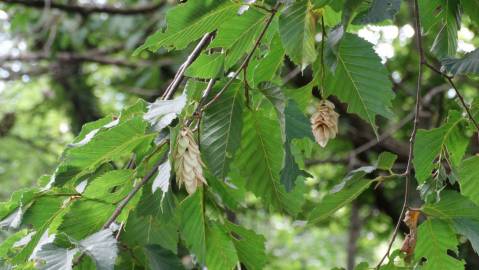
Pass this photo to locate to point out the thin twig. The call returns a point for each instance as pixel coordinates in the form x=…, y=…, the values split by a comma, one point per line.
x=197, y=113
x=181, y=71
x=248, y=57
x=458, y=94
x=414, y=130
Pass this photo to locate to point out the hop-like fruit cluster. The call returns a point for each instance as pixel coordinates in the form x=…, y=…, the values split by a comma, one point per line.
x=188, y=164
x=324, y=123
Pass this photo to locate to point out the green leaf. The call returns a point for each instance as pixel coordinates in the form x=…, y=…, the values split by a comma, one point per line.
x=221, y=131
x=206, y=66
x=162, y=112
x=111, y=187
x=104, y=147
x=379, y=11
x=162, y=259
x=269, y=65
x=11, y=241
x=42, y=210
x=261, y=161
x=434, y=239
x=188, y=22
x=85, y=218
x=56, y=258
x=238, y=35
x=469, y=64
x=442, y=17
x=360, y=80
x=297, y=126
x=249, y=246
x=102, y=248
x=386, y=160
x=468, y=178
x=339, y=198
x=193, y=226
x=431, y=143
x=452, y=206
x=470, y=229
x=470, y=8
x=297, y=30
x=220, y=252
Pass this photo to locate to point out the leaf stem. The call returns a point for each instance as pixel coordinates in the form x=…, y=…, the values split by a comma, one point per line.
x=412, y=138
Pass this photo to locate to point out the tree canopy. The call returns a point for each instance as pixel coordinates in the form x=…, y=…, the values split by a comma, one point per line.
x=228, y=134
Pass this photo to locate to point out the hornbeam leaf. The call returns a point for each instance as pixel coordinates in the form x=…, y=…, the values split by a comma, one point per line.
x=162, y=112
x=442, y=17
x=434, y=239
x=470, y=229
x=468, y=178
x=162, y=259
x=193, y=226
x=379, y=11
x=360, y=80
x=85, y=217
x=102, y=248
x=207, y=66
x=261, y=161
x=188, y=22
x=238, y=35
x=249, y=246
x=430, y=143
x=111, y=187
x=335, y=201
x=56, y=258
x=110, y=144
x=469, y=64
x=452, y=206
x=221, y=131
x=162, y=179
x=267, y=68
x=220, y=251
x=297, y=30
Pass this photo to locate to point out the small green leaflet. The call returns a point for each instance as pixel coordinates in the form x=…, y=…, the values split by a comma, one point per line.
x=469, y=64
x=360, y=80
x=297, y=30
x=189, y=21
x=386, y=160
x=379, y=11
x=434, y=239
x=431, y=143
x=341, y=195
x=468, y=178
x=207, y=66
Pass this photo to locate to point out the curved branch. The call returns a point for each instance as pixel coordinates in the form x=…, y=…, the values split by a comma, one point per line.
x=89, y=9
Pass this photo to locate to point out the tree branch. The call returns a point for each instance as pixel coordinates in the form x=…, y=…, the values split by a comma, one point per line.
x=412, y=139
x=89, y=9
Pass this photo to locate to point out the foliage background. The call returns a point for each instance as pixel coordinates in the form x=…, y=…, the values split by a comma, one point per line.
x=61, y=69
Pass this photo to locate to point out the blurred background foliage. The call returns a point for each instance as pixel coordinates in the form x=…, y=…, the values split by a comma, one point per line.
x=64, y=63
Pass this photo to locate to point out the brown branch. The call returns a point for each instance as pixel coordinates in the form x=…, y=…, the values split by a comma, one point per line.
x=89, y=9
x=204, y=42
x=84, y=57
x=458, y=94
x=414, y=130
